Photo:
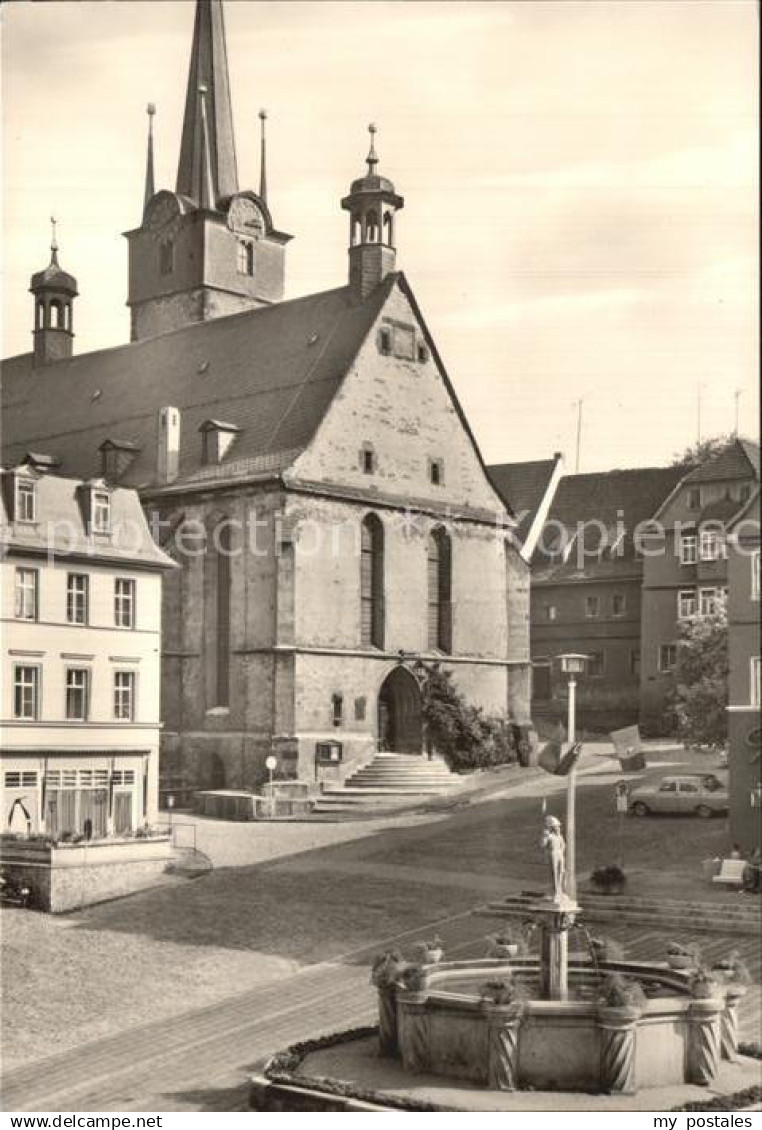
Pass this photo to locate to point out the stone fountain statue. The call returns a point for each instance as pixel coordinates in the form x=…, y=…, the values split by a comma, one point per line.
x=553, y=842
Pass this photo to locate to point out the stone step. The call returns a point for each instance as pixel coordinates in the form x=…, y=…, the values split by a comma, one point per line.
x=658, y=920
x=751, y=908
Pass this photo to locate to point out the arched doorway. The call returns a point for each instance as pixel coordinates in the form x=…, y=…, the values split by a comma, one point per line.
x=399, y=713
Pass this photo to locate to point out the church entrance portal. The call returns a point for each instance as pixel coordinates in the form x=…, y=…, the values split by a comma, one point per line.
x=399, y=713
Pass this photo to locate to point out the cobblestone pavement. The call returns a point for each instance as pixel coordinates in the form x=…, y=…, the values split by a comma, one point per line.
x=200, y=1060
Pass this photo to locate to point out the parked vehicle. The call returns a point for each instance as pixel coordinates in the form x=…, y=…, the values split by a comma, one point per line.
x=14, y=891
x=700, y=794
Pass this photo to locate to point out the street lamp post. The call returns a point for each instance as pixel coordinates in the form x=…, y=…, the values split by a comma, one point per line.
x=572, y=664
x=271, y=763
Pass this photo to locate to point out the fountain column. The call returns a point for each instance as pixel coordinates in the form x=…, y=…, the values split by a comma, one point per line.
x=555, y=917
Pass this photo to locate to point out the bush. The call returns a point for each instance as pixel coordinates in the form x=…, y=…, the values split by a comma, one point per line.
x=700, y=697
x=609, y=879
x=465, y=735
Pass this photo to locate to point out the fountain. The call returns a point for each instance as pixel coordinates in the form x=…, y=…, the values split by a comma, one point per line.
x=551, y=1022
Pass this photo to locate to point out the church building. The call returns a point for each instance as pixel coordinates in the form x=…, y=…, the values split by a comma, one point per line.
x=306, y=462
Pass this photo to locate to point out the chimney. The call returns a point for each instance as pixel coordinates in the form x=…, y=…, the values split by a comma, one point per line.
x=167, y=444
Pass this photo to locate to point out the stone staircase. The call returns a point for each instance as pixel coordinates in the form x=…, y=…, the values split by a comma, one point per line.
x=743, y=917
x=389, y=778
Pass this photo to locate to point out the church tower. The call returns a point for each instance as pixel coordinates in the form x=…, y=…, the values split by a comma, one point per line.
x=372, y=205
x=54, y=292
x=207, y=249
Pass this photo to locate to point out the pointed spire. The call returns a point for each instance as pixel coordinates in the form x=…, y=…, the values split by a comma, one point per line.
x=263, y=158
x=206, y=196
x=372, y=159
x=53, y=243
x=209, y=68
x=149, y=188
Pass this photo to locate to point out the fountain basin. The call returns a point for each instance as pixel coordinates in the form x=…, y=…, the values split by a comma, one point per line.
x=570, y=1045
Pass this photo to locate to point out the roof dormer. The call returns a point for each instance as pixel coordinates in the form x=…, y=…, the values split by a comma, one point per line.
x=216, y=438
x=117, y=455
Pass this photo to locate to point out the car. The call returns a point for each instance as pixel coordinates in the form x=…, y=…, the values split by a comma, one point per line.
x=700, y=794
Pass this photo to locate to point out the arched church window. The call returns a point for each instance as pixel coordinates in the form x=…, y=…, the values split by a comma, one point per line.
x=166, y=257
x=439, y=555
x=372, y=582
x=245, y=257
x=217, y=618
x=388, y=229
x=56, y=315
x=355, y=231
x=371, y=227
x=40, y=316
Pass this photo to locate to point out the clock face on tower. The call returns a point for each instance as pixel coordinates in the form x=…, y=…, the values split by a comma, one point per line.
x=245, y=217
x=161, y=211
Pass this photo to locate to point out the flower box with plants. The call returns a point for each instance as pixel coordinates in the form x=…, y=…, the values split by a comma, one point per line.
x=504, y=992
x=683, y=957
x=732, y=971
x=622, y=996
x=605, y=949
x=610, y=880
x=430, y=951
x=506, y=943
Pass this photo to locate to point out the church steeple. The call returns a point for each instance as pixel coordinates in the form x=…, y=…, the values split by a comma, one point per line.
x=208, y=68
x=372, y=205
x=149, y=188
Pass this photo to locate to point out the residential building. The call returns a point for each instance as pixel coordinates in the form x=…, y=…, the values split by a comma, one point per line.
x=745, y=681
x=81, y=617
x=685, y=565
x=586, y=579
x=309, y=461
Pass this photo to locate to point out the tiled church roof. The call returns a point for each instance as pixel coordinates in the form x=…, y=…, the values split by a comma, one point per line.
x=272, y=372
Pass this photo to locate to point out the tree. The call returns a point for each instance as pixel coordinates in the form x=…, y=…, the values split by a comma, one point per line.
x=701, y=451
x=701, y=676
x=466, y=737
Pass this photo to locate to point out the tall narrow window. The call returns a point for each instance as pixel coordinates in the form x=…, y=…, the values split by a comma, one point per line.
x=124, y=696
x=439, y=595
x=219, y=595
x=26, y=692
x=688, y=548
x=26, y=602
x=372, y=582
x=25, y=500
x=77, y=694
x=77, y=585
x=166, y=257
x=124, y=602
x=101, y=523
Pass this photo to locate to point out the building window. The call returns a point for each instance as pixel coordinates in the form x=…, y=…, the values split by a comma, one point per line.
x=592, y=607
x=551, y=612
x=423, y=353
x=707, y=601
x=25, y=500
x=404, y=342
x=367, y=459
x=26, y=596
x=667, y=657
x=101, y=512
x=124, y=603
x=24, y=779
x=634, y=662
x=618, y=604
x=77, y=694
x=77, y=598
x=756, y=681
x=26, y=692
x=756, y=581
x=245, y=257
x=688, y=548
x=710, y=545
x=124, y=696
x=439, y=556
x=372, y=582
x=694, y=498
x=385, y=341
x=687, y=604
x=337, y=709
x=360, y=708
x=77, y=800
x=436, y=472
x=166, y=257
x=220, y=593
x=596, y=663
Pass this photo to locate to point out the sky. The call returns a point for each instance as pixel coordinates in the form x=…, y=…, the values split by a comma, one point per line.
x=580, y=183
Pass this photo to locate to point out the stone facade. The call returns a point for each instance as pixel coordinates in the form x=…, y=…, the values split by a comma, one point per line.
x=295, y=639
